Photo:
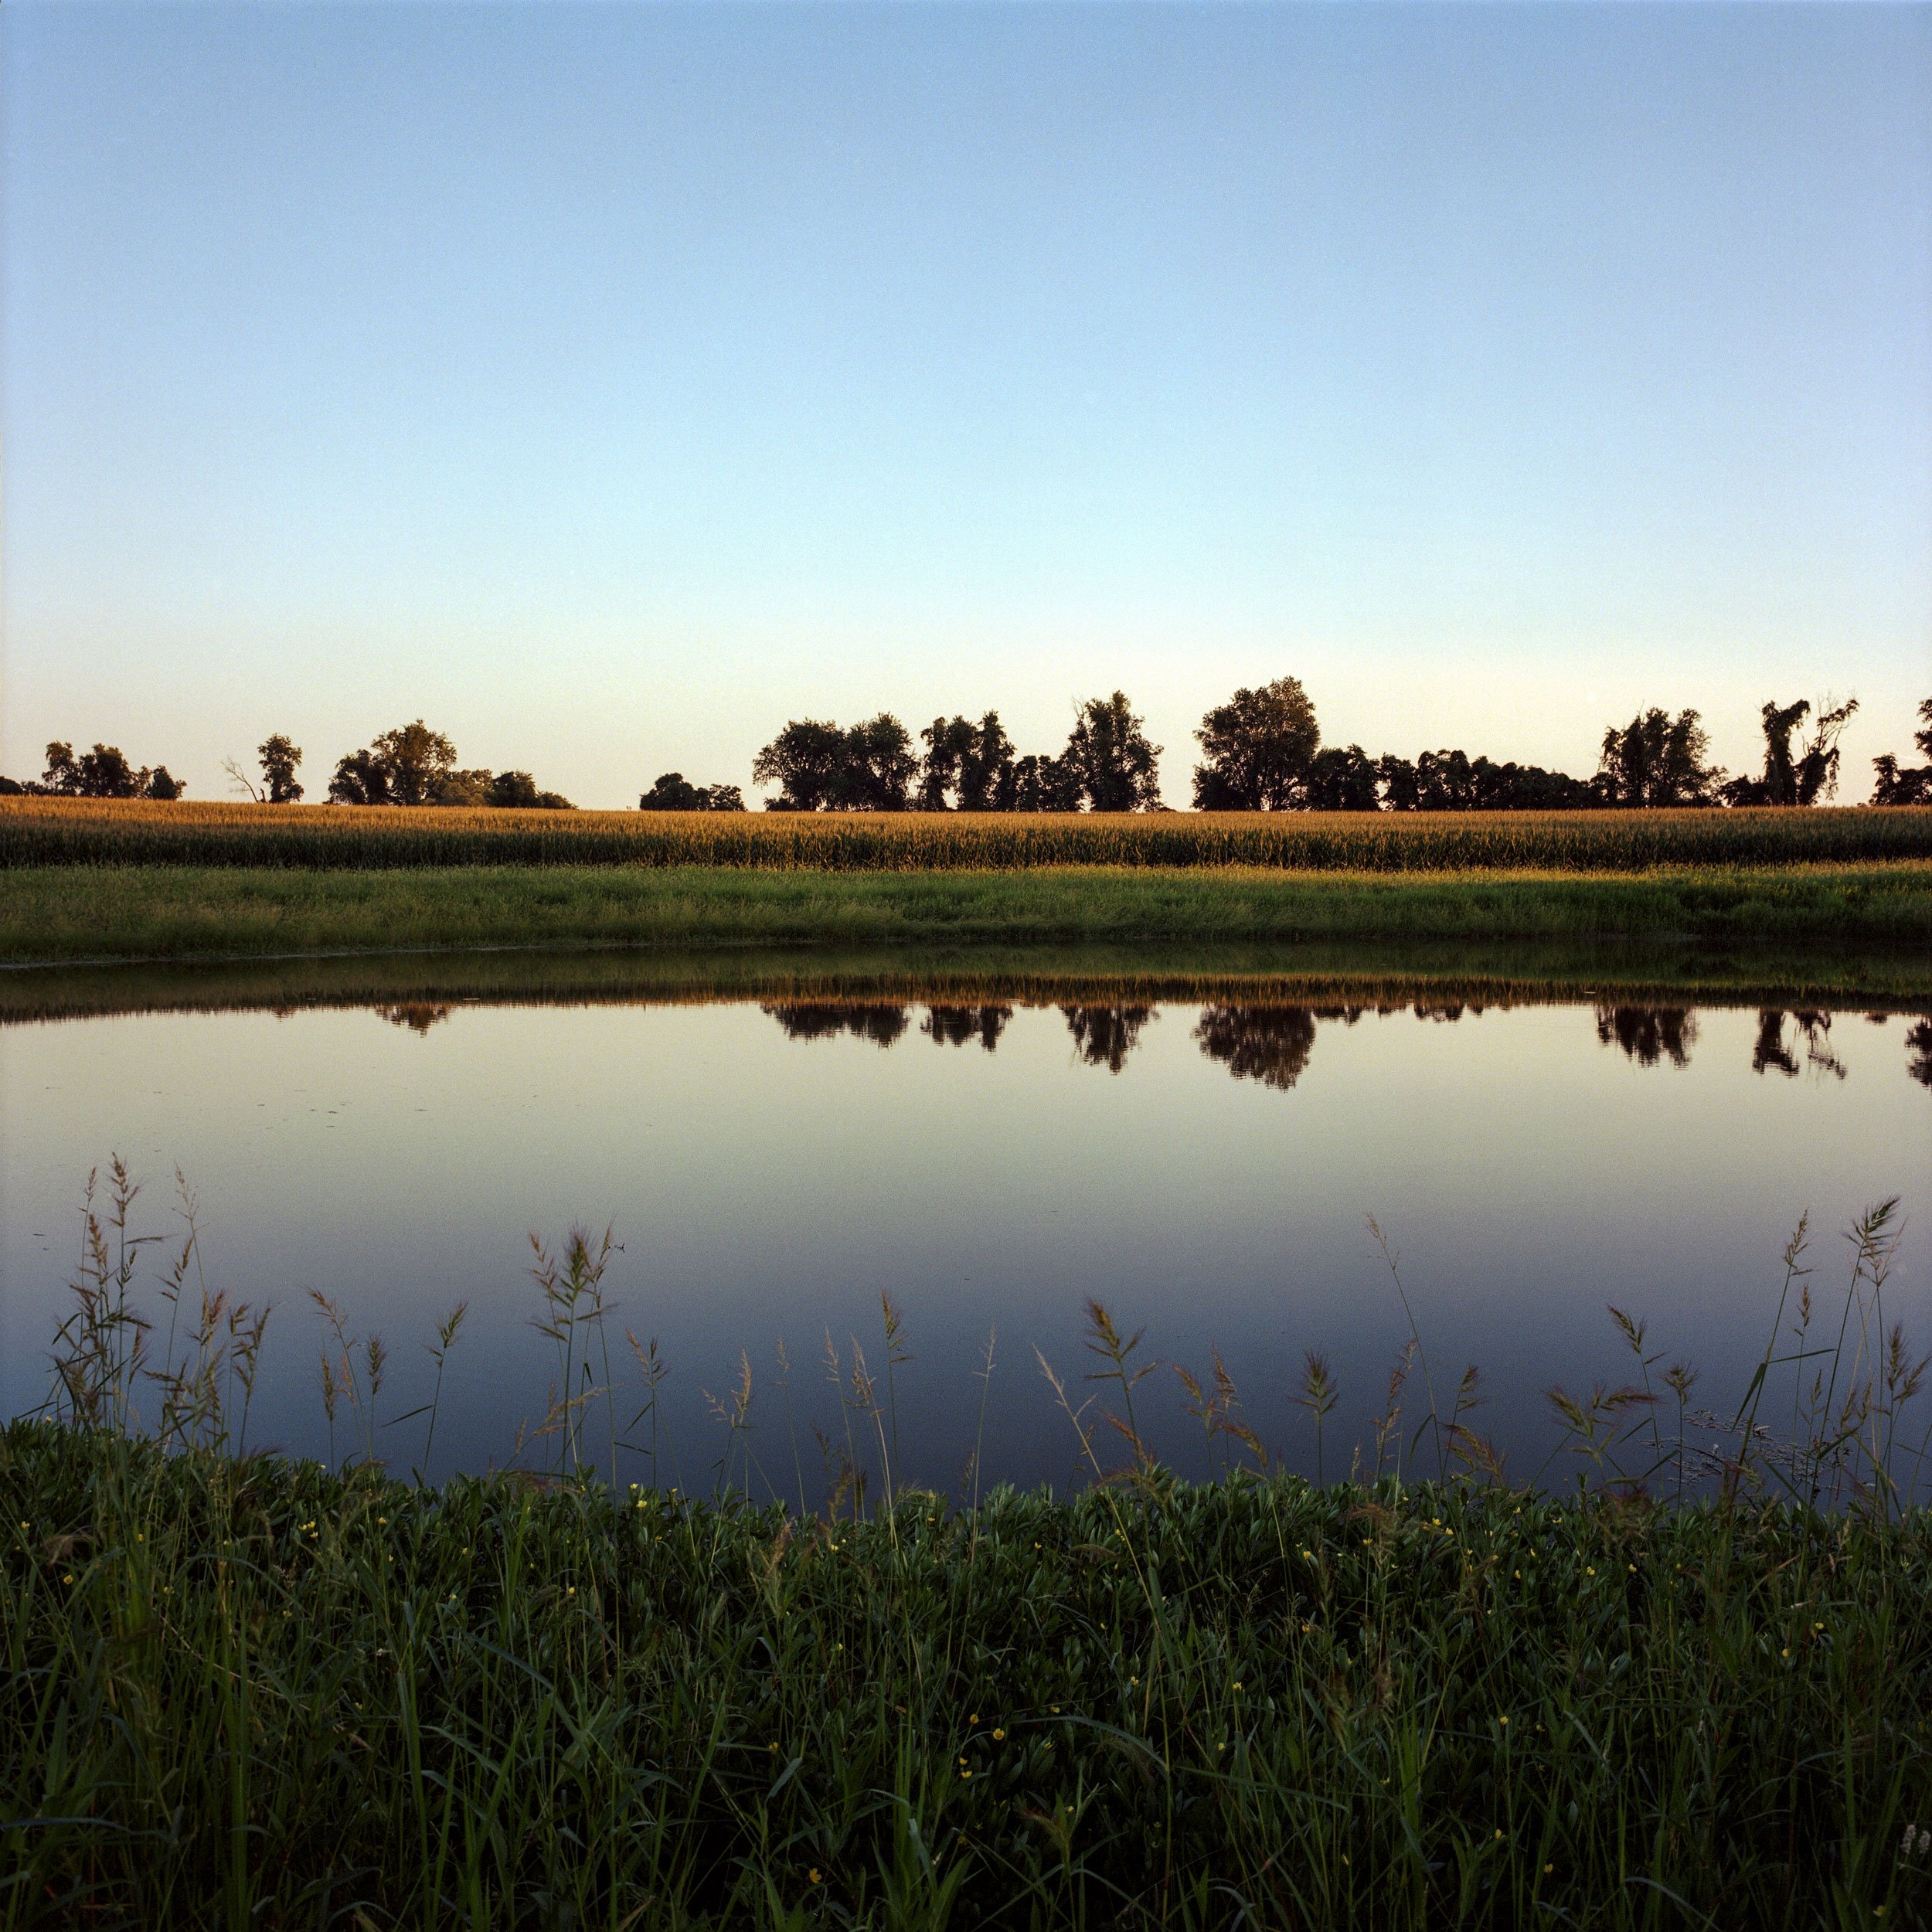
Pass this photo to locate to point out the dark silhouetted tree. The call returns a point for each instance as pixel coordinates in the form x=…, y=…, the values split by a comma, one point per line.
x=361, y=779
x=947, y=742
x=1912, y=786
x=1657, y=759
x=674, y=792
x=1044, y=785
x=1800, y=777
x=103, y=772
x=986, y=776
x=877, y=766
x=1257, y=749
x=1341, y=780
x=1109, y=751
x=803, y=761
x=279, y=755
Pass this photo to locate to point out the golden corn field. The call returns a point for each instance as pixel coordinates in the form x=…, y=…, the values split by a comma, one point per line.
x=59, y=832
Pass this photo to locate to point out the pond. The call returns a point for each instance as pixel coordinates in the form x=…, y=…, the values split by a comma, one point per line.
x=774, y=1146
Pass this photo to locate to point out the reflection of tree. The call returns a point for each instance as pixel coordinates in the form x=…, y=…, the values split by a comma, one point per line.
x=954, y=1025
x=1771, y=1055
x=1271, y=1044
x=1444, y=1009
x=1918, y=1045
x=875, y=1021
x=419, y=1016
x=1647, y=1034
x=1105, y=1034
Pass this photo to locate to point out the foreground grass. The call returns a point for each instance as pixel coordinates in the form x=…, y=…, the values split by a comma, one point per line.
x=54, y=913
x=256, y=1693
x=34, y=831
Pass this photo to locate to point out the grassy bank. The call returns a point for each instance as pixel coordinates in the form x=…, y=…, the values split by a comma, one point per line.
x=40, y=831
x=54, y=913
x=256, y=1693
x=1391, y=973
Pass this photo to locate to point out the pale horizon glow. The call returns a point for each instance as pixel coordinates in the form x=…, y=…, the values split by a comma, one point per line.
x=608, y=384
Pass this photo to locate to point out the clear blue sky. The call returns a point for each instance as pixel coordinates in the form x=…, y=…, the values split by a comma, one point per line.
x=608, y=384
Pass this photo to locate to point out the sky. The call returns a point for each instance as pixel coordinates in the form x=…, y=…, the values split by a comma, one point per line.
x=608, y=384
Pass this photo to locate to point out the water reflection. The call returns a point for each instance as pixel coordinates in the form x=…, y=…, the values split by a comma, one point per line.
x=1918, y=1047
x=877, y=1021
x=1273, y=1042
x=1106, y=1035
x=1649, y=1035
x=1812, y=1032
x=419, y=1016
x=958, y=1025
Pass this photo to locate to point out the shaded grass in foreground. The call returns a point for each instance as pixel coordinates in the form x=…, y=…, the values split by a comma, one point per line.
x=257, y=1693
x=242, y=1690
x=55, y=913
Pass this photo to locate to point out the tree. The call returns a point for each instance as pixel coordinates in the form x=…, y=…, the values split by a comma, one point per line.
x=674, y=792
x=1117, y=768
x=103, y=772
x=279, y=755
x=412, y=765
x=361, y=779
x=804, y=761
x=1044, y=785
x=414, y=757
x=1657, y=759
x=1800, y=778
x=1910, y=786
x=1257, y=749
x=1340, y=781
x=877, y=767
x=948, y=743
x=986, y=776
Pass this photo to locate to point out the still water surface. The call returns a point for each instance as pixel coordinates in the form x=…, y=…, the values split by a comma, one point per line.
x=771, y=1167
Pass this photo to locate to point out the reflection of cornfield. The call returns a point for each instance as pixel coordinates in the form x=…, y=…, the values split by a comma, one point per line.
x=62, y=831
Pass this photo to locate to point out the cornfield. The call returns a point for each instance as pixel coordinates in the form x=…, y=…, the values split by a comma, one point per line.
x=46, y=831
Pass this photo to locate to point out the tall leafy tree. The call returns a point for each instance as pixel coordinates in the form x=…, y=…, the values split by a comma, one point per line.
x=1800, y=776
x=411, y=765
x=1044, y=785
x=1911, y=786
x=103, y=773
x=878, y=766
x=1256, y=749
x=1117, y=766
x=948, y=743
x=279, y=755
x=1657, y=760
x=986, y=776
x=804, y=761
x=1340, y=779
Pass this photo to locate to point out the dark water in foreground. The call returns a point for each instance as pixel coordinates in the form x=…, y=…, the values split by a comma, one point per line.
x=990, y=1158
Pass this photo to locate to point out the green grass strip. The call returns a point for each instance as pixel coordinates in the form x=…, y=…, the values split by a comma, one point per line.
x=179, y=913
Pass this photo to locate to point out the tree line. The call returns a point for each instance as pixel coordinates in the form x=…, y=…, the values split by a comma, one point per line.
x=1260, y=751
